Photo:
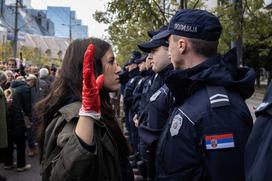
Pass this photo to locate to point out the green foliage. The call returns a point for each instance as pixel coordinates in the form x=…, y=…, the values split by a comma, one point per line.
x=130, y=20
x=5, y=51
x=31, y=55
x=255, y=24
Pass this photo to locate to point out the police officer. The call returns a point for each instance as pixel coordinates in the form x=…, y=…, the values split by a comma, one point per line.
x=134, y=77
x=124, y=77
x=258, y=157
x=157, y=107
x=138, y=91
x=134, y=89
x=206, y=133
x=156, y=81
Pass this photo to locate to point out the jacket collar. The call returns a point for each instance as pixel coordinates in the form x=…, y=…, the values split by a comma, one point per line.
x=165, y=71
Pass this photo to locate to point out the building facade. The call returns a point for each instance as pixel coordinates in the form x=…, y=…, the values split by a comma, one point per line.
x=66, y=24
x=25, y=3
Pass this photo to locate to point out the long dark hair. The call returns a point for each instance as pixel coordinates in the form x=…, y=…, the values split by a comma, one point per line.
x=67, y=88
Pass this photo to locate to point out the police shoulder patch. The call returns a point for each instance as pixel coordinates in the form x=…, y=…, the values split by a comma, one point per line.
x=155, y=96
x=176, y=125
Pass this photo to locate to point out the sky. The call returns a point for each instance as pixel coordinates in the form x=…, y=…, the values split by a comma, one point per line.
x=84, y=10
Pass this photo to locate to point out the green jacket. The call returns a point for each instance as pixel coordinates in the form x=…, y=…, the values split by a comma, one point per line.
x=3, y=121
x=64, y=157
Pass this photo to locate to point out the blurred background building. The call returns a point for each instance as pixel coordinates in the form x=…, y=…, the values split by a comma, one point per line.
x=66, y=24
x=48, y=30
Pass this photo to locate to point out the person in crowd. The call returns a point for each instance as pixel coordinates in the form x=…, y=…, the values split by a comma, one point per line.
x=209, y=125
x=39, y=88
x=3, y=117
x=49, y=77
x=34, y=70
x=80, y=138
x=18, y=112
x=3, y=113
x=2, y=66
x=258, y=149
x=12, y=64
x=11, y=77
x=36, y=93
x=44, y=75
x=53, y=72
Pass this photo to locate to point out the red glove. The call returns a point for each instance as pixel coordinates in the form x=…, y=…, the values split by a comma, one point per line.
x=91, y=86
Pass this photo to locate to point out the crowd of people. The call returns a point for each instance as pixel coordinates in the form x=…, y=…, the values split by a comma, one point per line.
x=21, y=87
x=185, y=116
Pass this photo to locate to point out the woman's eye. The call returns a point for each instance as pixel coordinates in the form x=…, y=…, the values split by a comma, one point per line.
x=111, y=62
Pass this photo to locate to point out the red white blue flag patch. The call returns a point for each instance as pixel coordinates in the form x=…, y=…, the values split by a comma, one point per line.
x=219, y=141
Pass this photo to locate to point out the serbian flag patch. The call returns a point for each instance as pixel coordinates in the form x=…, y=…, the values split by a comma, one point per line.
x=219, y=141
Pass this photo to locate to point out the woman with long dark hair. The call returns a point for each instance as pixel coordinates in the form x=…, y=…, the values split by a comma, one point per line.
x=80, y=137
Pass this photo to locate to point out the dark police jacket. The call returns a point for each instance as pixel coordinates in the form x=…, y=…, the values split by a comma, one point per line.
x=156, y=83
x=130, y=86
x=206, y=133
x=258, y=157
x=140, y=91
x=156, y=111
x=124, y=78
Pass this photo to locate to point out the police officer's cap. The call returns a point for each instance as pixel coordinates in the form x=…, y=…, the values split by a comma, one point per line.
x=148, y=46
x=141, y=59
x=152, y=33
x=128, y=63
x=153, y=43
x=193, y=23
x=134, y=56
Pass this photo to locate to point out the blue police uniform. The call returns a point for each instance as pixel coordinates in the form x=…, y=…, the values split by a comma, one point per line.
x=127, y=80
x=205, y=135
x=124, y=78
x=139, y=98
x=258, y=156
x=156, y=110
x=128, y=102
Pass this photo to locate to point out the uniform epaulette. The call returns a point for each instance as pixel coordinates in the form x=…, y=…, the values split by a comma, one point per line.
x=218, y=96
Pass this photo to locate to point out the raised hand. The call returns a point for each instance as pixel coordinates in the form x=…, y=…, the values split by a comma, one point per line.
x=91, y=86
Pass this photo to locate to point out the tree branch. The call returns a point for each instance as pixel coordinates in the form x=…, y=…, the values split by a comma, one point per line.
x=195, y=4
x=161, y=11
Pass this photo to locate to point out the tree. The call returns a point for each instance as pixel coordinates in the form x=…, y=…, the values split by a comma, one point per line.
x=256, y=26
x=130, y=20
